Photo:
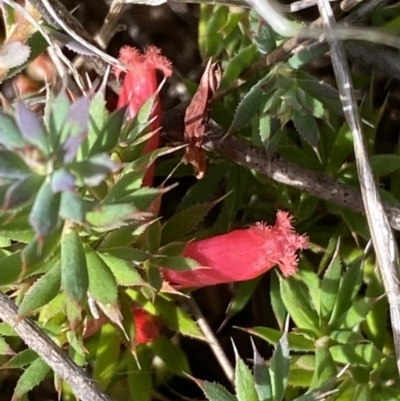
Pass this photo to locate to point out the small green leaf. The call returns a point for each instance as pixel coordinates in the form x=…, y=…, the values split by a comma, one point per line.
x=355, y=315
x=173, y=356
x=73, y=206
x=383, y=165
x=237, y=65
x=247, y=108
x=108, y=138
x=326, y=367
x=108, y=217
x=124, y=187
x=31, y=127
x=12, y=167
x=5, y=349
x=102, y=285
x=244, y=381
x=140, y=376
x=330, y=286
x=215, y=392
x=11, y=269
x=184, y=222
x=23, y=358
x=10, y=136
x=175, y=262
x=349, y=286
x=74, y=273
x=44, y=214
x=30, y=378
x=296, y=341
x=124, y=272
x=262, y=377
x=279, y=368
x=298, y=303
x=56, y=111
x=359, y=354
x=21, y=192
x=107, y=356
x=42, y=291
x=307, y=128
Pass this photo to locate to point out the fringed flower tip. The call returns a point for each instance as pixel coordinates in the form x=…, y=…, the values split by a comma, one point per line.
x=241, y=254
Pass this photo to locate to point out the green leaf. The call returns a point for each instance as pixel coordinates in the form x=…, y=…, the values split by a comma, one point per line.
x=124, y=187
x=21, y=192
x=31, y=127
x=341, y=149
x=5, y=349
x=277, y=304
x=279, y=368
x=108, y=138
x=383, y=165
x=296, y=341
x=30, y=378
x=140, y=375
x=215, y=392
x=124, y=272
x=108, y=217
x=44, y=214
x=73, y=207
x=11, y=269
x=210, y=41
x=23, y=358
x=349, y=286
x=298, y=303
x=326, y=367
x=242, y=295
x=247, y=108
x=355, y=315
x=42, y=291
x=56, y=111
x=10, y=136
x=173, y=356
x=102, y=285
x=244, y=381
x=12, y=167
x=359, y=354
x=237, y=64
x=74, y=273
x=107, y=356
x=330, y=286
x=262, y=377
x=307, y=127
x=175, y=262
x=184, y=222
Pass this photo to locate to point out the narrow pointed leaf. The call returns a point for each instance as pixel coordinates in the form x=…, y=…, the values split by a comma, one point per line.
x=262, y=377
x=215, y=392
x=31, y=127
x=10, y=136
x=21, y=192
x=44, y=213
x=102, y=285
x=42, y=291
x=279, y=368
x=12, y=167
x=31, y=377
x=244, y=382
x=74, y=273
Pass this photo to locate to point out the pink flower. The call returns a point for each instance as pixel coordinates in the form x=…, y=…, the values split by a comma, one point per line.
x=241, y=254
x=140, y=83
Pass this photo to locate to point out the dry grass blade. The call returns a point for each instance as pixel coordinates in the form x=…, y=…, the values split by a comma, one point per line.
x=381, y=233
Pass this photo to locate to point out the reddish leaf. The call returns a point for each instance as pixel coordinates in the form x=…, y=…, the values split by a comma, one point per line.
x=197, y=118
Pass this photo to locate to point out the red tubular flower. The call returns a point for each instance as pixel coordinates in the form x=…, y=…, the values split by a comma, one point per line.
x=140, y=83
x=146, y=326
x=241, y=254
